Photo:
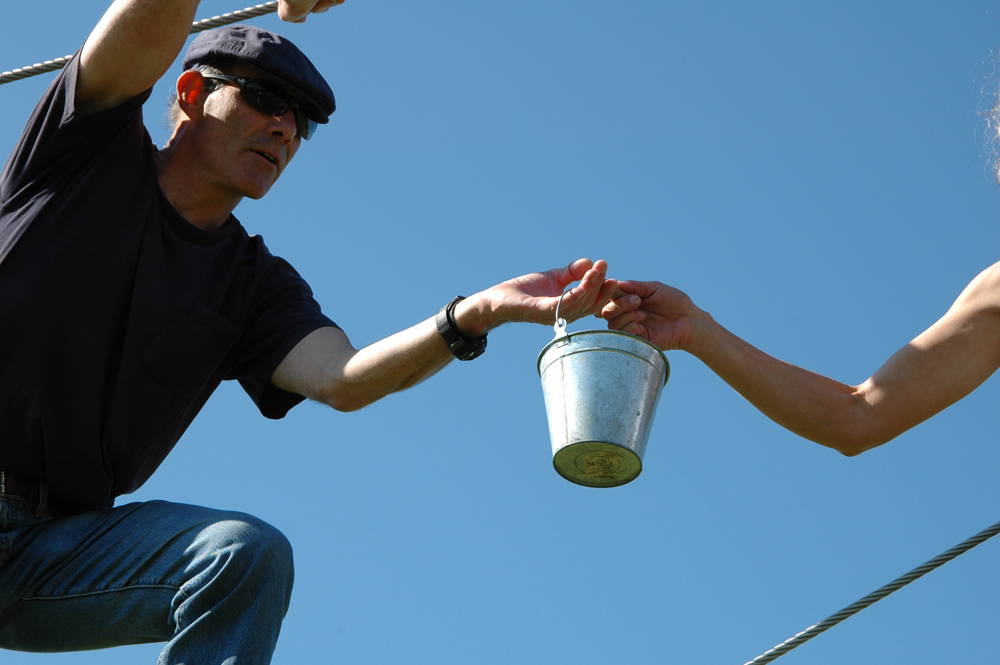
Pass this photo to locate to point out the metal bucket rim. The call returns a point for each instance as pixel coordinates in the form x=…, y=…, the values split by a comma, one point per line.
x=569, y=335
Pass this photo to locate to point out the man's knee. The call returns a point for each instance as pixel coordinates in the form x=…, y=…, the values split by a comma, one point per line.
x=242, y=550
x=237, y=582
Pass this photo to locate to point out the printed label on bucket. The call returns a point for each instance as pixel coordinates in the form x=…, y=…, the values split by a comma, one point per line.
x=597, y=464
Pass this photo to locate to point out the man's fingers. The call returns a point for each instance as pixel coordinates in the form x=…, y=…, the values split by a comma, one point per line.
x=578, y=270
x=291, y=14
x=326, y=5
x=588, y=295
x=593, y=280
x=296, y=11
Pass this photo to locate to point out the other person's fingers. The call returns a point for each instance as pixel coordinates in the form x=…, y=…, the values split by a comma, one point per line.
x=626, y=319
x=620, y=305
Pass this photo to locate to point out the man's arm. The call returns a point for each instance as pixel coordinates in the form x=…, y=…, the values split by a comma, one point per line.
x=129, y=50
x=325, y=367
x=939, y=367
x=136, y=41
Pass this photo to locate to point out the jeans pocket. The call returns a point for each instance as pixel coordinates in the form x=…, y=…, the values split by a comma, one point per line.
x=18, y=513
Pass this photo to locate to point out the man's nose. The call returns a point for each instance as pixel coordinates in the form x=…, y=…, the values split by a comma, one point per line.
x=284, y=125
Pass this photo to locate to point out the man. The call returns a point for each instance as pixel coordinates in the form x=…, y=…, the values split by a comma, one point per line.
x=940, y=366
x=128, y=291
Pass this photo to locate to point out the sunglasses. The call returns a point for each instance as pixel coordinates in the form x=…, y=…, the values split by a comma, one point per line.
x=259, y=96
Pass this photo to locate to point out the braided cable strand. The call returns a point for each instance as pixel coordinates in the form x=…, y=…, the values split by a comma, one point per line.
x=197, y=26
x=874, y=596
x=34, y=70
x=234, y=17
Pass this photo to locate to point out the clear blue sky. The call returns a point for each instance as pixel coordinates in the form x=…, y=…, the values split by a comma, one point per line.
x=816, y=175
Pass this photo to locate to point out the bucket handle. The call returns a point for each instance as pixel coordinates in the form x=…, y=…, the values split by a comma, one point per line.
x=560, y=325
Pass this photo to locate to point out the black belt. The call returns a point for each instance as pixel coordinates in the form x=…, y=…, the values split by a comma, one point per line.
x=14, y=485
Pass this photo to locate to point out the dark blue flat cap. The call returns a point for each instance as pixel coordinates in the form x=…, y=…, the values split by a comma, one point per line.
x=272, y=53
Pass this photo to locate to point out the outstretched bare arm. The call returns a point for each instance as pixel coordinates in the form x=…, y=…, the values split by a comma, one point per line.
x=940, y=366
x=326, y=367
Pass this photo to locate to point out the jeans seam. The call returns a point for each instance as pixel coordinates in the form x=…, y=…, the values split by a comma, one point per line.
x=84, y=594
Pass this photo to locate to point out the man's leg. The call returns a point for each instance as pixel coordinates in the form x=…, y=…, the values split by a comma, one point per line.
x=214, y=584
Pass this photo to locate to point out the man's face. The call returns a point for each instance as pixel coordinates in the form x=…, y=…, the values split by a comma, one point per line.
x=243, y=149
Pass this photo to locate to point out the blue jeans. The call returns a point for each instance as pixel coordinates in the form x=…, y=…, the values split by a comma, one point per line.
x=213, y=585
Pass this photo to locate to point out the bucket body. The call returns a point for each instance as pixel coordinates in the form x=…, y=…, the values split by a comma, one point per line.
x=601, y=389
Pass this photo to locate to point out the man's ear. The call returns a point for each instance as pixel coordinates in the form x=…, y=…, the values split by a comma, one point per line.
x=191, y=92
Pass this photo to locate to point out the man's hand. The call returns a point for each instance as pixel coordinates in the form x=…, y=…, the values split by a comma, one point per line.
x=296, y=11
x=533, y=298
x=660, y=313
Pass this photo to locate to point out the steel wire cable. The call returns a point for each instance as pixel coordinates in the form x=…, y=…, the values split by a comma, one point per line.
x=197, y=26
x=769, y=655
x=878, y=594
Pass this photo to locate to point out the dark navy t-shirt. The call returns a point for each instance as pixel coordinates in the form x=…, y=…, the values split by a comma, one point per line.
x=118, y=318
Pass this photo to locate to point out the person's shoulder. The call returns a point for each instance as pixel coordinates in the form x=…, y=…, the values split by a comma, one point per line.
x=983, y=292
x=990, y=278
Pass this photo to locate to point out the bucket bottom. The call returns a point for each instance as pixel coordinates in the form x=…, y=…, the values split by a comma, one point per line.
x=597, y=464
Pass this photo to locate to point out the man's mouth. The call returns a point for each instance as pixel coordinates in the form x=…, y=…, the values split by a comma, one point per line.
x=268, y=156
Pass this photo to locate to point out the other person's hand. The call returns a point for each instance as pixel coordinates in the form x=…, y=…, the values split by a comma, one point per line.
x=665, y=316
x=296, y=11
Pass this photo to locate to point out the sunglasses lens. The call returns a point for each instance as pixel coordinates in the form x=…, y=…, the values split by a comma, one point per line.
x=257, y=96
x=269, y=103
x=266, y=102
x=306, y=126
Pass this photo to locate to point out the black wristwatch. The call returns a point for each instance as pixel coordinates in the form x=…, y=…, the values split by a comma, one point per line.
x=464, y=348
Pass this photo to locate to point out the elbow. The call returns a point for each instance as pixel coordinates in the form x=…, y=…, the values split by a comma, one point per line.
x=857, y=430
x=852, y=444
x=344, y=400
x=345, y=406
x=346, y=395
x=850, y=449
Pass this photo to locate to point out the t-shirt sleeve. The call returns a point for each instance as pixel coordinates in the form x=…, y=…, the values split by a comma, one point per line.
x=58, y=150
x=284, y=313
x=57, y=138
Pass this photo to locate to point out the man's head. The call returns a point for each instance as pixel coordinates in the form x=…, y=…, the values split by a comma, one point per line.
x=291, y=72
x=245, y=100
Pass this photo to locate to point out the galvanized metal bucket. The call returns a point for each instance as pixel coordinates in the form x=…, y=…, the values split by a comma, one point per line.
x=601, y=390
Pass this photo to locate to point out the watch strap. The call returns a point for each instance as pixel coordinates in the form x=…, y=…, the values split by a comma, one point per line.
x=462, y=347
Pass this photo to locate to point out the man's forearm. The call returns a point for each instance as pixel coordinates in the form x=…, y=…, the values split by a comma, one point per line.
x=405, y=358
x=389, y=365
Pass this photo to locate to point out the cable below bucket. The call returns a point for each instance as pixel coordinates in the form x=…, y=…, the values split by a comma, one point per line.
x=874, y=596
x=197, y=26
